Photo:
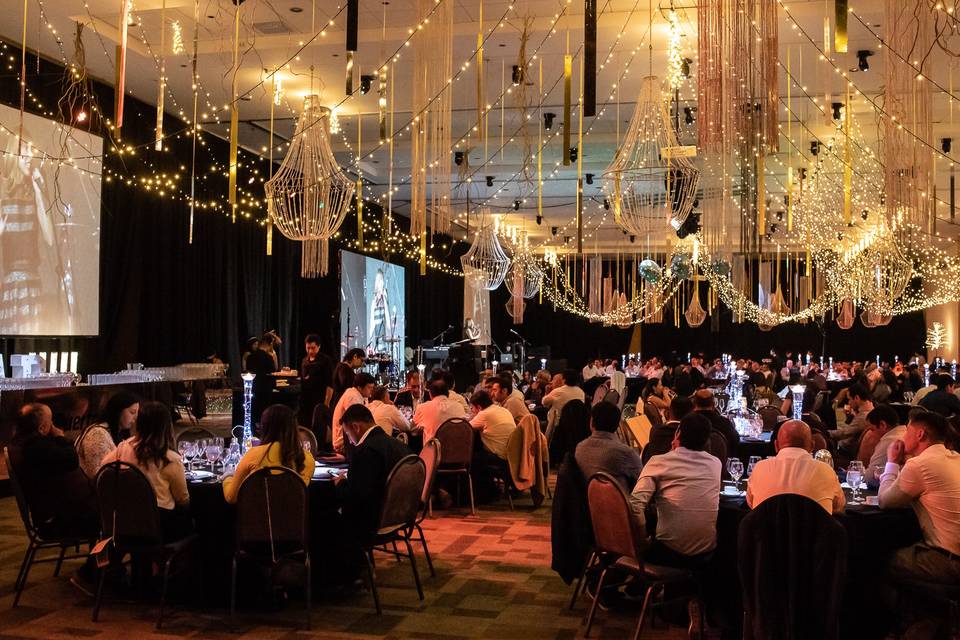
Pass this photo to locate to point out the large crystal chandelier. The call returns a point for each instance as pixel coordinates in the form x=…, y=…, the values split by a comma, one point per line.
x=486, y=262
x=649, y=181
x=309, y=195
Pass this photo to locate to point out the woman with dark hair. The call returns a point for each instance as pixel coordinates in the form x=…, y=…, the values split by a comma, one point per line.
x=97, y=440
x=280, y=447
x=151, y=450
x=656, y=394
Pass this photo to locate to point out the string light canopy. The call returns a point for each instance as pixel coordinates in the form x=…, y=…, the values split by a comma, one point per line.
x=650, y=180
x=486, y=261
x=309, y=195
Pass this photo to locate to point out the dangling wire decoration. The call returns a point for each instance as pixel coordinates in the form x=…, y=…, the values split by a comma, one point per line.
x=309, y=194
x=486, y=260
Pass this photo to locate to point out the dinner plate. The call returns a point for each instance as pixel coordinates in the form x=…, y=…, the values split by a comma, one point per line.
x=199, y=474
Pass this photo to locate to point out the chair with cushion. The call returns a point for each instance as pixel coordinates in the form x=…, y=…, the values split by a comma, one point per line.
x=38, y=537
x=770, y=416
x=320, y=425
x=130, y=519
x=398, y=519
x=456, y=441
x=307, y=436
x=613, y=397
x=572, y=428
x=617, y=539
x=431, y=456
x=272, y=518
x=945, y=596
x=653, y=414
x=792, y=559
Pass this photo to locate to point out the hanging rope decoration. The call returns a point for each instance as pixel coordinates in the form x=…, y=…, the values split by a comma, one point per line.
x=648, y=187
x=234, y=116
x=353, y=22
x=309, y=195
x=486, y=260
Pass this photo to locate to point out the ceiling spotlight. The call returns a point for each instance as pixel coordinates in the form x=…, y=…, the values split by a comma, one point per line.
x=685, y=67
x=548, y=120
x=864, y=214
x=458, y=158
x=566, y=239
x=862, y=56
x=365, y=83
x=516, y=76
x=779, y=215
x=774, y=228
x=539, y=219
x=945, y=144
x=803, y=173
x=554, y=230
x=296, y=9
x=815, y=147
x=633, y=239
x=589, y=177
x=688, y=115
x=573, y=154
x=516, y=205
x=606, y=204
x=490, y=180
x=836, y=106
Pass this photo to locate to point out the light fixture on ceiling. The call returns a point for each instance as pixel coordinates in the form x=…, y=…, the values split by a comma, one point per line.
x=862, y=63
x=516, y=205
x=490, y=180
x=539, y=218
x=366, y=81
x=296, y=9
x=606, y=204
x=688, y=115
x=589, y=177
x=548, y=120
x=458, y=158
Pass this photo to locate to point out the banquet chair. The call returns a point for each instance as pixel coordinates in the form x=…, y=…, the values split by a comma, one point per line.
x=769, y=415
x=946, y=596
x=399, y=511
x=653, y=414
x=309, y=437
x=272, y=518
x=320, y=425
x=39, y=539
x=639, y=428
x=431, y=456
x=191, y=434
x=792, y=559
x=456, y=441
x=617, y=544
x=613, y=397
x=600, y=394
x=130, y=520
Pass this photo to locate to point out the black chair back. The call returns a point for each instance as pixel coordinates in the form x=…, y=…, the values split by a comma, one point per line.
x=127, y=505
x=456, y=442
x=272, y=509
x=320, y=425
x=402, y=495
x=653, y=414
x=22, y=506
x=306, y=435
x=792, y=565
x=572, y=428
x=431, y=456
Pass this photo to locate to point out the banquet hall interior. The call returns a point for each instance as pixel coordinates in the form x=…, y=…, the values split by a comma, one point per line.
x=448, y=319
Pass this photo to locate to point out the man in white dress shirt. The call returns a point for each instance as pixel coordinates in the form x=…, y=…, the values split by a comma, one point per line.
x=433, y=413
x=502, y=391
x=556, y=399
x=385, y=413
x=684, y=485
x=363, y=384
x=592, y=369
x=929, y=482
x=794, y=471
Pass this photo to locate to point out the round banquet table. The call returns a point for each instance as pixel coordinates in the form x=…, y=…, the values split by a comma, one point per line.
x=215, y=522
x=873, y=535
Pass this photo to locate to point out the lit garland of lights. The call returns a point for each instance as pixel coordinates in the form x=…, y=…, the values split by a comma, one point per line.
x=176, y=44
x=675, y=75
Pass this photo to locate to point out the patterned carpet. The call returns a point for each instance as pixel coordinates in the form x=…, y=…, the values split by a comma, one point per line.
x=493, y=581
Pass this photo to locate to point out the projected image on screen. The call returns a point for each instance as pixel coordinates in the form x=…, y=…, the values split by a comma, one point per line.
x=49, y=228
x=371, y=306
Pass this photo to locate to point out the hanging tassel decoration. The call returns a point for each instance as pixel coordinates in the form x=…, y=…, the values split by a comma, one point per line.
x=353, y=21
x=121, y=61
x=789, y=146
x=196, y=128
x=580, y=167
x=359, y=181
x=23, y=77
x=590, y=57
x=270, y=200
x=840, y=26
x=161, y=88
x=234, y=117
x=481, y=129
x=567, y=81
x=540, y=151
x=847, y=163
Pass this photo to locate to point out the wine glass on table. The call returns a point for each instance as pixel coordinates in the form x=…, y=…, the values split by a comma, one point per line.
x=214, y=451
x=751, y=463
x=189, y=452
x=735, y=469
x=854, y=478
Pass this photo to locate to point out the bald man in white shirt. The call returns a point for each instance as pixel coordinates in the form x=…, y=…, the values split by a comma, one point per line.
x=794, y=471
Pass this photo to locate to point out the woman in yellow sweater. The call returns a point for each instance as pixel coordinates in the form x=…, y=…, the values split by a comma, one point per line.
x=280, y=447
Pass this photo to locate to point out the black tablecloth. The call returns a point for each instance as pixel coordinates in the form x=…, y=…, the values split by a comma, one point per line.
x=216, y=521
x=872, y=537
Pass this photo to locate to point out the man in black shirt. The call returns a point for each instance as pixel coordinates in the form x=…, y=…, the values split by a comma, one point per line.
x=344, y=373
x=316, y=380
x=941, y=400
x=261, y=363
x=705, y=403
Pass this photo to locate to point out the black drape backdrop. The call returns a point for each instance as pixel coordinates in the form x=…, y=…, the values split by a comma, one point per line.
x=164, y=301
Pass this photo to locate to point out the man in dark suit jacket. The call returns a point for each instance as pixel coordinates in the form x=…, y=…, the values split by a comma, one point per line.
x=661, y=436
x=374, y=456
x=705, y=403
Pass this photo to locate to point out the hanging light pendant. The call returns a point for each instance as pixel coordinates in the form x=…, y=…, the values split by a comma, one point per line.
x=486, y=262
x=309, y=196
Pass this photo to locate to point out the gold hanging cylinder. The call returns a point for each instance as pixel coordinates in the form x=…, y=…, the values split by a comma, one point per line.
x=481, y=132
x=234, y=119
x=161, y=89
x=121, y=58
x=847, y=163
x=359, y=182
x=567, y=82
x=349, y=73
x=540, y=151
x=196, y=129
x=840, y=26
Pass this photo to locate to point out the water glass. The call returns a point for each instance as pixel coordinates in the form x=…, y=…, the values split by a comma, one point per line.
x=735, y=469
x=306, y=445
x=214, y=452
x=751, y=463
x=854, y=478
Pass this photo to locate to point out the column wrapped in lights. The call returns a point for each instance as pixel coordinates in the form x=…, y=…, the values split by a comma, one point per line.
x=247, y=441
x=797, y=391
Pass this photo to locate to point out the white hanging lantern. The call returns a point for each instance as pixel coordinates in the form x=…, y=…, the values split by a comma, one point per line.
x=650, y=182
x=309, y=195
x=486, y=261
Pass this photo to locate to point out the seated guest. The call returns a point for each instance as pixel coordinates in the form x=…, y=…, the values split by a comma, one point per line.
x=385, y=413
x=412, y=393
x=450, y=380
x=929, y=482
x=363, y=384
x=592, y=369
x=560, y=395
x=344, y=374
x=431, y=414
x=795, y=471
x=684, y=486
x=495, y=426
x=858, y=406
x=763, y=392
x=280, y=447
x=941, y=400
x=705, y=403
x=58, y=493
x=360, y=493
x=151, y=450
x=603, y=450
x=537, y=388
x=97, y=440
x=662, y=435
x=503, y=393
x=881, y=431
x=656, y=394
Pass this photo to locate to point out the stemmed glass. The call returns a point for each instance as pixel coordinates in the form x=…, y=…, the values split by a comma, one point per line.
x=189, y=452
x=751, y=463
x=306, y=445
x=182, y=448
x=735, y=469
x=213, y=455
x=854, y=477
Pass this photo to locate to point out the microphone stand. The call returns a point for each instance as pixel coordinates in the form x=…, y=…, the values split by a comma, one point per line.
x=523, y=351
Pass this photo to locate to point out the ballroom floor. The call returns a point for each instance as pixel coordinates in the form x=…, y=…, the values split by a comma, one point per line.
x=493, y=581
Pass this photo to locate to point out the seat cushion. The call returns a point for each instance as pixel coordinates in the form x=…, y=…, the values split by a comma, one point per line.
x=661, y=573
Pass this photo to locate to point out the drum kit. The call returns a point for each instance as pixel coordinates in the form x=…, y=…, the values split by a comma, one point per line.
x=386, y=368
